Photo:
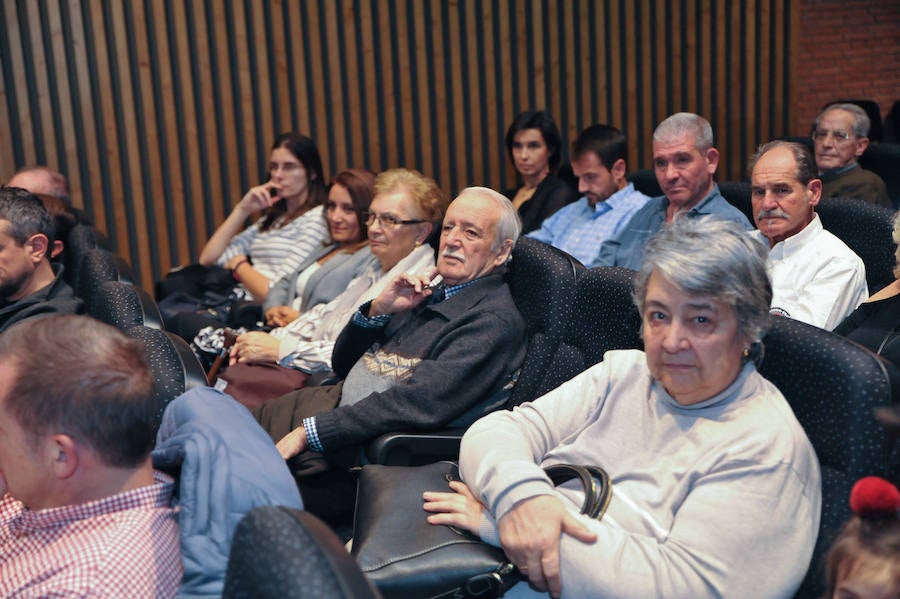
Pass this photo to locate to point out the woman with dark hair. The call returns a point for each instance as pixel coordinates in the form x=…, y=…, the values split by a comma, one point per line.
x=534, y=145
x=291, y=226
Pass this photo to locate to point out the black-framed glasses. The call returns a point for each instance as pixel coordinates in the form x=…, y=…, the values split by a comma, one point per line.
x=839, y=136
x=388, y=220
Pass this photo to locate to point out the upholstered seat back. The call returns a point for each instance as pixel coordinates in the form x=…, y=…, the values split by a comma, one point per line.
x=542, y=281
x=123, y=305
x=174, y=366
x=866, y=229
x=605, y=318
x=833, y=387
x=283, y=553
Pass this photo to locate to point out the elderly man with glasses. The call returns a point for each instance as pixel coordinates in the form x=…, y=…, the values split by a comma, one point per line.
x=840, y=138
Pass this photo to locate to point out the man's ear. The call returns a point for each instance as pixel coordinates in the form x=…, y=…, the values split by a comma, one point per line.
x=712, y=158
x=861, y=144
x=63, y=455
x=58, y=247
x=618, y=170
x=503, y=252
x=39, y=246
x=814, y=192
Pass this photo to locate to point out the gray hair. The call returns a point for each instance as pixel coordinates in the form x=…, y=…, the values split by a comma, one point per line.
x=686, y=123
x=806, y=164
x=861, y=122
x=509, y=226
x=708, y=256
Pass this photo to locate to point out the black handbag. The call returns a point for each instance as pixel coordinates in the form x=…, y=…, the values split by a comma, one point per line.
x=405, y=556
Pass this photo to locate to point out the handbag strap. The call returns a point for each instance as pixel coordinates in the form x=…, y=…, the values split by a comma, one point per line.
x=594, y=480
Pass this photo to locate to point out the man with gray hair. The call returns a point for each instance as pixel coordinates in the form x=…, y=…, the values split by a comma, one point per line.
x=418, y=356
x=816, y=278
x=685, y=161
x=30, y=285
x=840, y=138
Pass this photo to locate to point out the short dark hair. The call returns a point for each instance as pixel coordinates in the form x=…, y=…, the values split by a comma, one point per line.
x=360, y=184
x=304, y=149
x=607, y=142
x=806, y=164
x=84, y=378
x=540, y=120
x=26, y=214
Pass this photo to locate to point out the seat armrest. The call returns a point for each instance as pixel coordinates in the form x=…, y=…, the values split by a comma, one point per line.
x=415, y=449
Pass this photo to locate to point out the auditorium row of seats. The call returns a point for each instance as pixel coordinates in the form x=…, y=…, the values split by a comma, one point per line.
x=574, y=315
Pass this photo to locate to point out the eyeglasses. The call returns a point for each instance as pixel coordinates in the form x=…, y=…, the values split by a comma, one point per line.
x=388, y=220
x=839, y=136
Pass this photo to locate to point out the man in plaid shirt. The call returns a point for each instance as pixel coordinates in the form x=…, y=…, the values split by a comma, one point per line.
x=83, y=513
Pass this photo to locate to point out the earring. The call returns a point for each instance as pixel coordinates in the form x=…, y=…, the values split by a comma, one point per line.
x=746, y=352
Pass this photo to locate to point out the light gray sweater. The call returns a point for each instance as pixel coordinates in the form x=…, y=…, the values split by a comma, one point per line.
x=717, y=499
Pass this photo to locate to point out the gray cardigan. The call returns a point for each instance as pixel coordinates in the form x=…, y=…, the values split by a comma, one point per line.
x=326, y=283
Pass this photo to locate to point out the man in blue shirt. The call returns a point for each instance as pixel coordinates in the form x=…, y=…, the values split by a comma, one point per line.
x=608, y=201
x=685, y=161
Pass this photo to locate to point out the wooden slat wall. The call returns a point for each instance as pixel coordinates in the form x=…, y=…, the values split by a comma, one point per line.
x=161, y=112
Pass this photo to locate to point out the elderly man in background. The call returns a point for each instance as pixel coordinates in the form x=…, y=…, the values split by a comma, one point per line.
x=840, y=138
x=83, y=513
x=608, y=201
x=685, y=161
x=816, y=278
x=415, y=358
x=30, y=285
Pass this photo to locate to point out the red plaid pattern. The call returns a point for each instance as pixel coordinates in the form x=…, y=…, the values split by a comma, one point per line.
x=125, y=545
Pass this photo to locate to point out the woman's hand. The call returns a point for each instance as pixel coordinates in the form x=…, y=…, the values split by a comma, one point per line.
x=292, y=443
x=460, y=508
x=258, y=198
x=236, y=261
x=255, y=346
x=530, y=533
x=279, y=316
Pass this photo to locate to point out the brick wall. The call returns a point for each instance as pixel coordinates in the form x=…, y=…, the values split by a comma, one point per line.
x=848, y=49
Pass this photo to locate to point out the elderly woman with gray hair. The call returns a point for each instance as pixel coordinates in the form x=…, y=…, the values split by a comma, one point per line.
x=716, y=490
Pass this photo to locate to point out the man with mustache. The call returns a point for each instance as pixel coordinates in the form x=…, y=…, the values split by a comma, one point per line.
x=416, y=357
x=684, y=160
x=816, y=278
x=840, y=138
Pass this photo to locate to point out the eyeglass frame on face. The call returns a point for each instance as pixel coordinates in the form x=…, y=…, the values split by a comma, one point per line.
x=388, y=221
x=839, y=136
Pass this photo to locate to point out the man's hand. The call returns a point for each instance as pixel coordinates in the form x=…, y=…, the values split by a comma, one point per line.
x=292, y=443
x=279, y=316
x=255, y=346
x=403, y=293
x=530, y=534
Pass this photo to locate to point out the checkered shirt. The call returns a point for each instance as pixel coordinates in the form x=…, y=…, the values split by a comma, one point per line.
x=125, y=545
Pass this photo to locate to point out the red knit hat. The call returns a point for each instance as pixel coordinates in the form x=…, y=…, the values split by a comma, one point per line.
x=874, y=496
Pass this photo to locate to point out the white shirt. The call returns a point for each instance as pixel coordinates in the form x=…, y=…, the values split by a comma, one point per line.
x=815, y=277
